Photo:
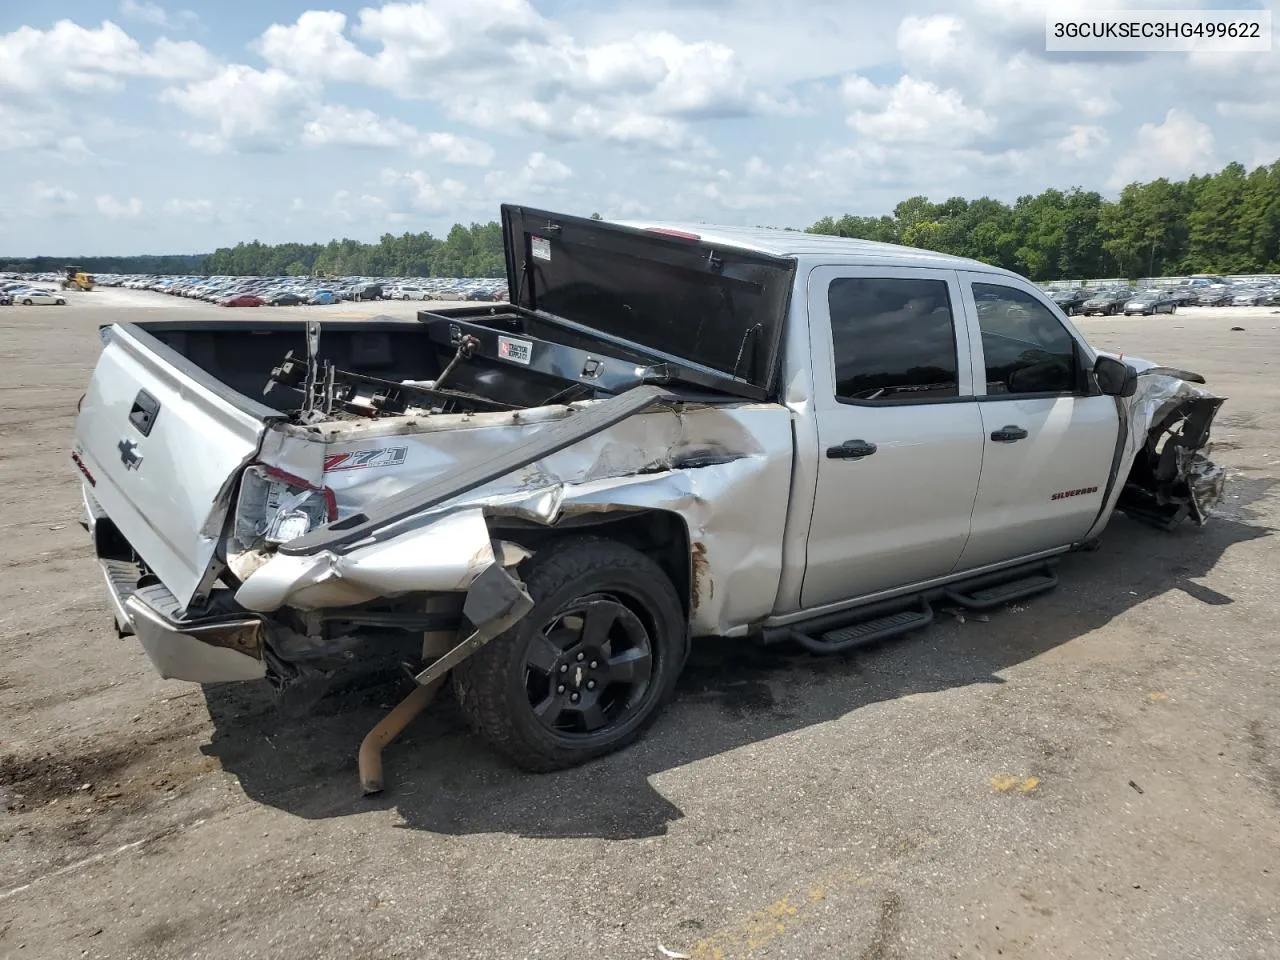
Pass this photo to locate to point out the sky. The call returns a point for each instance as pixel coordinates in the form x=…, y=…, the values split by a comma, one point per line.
x=135, y=127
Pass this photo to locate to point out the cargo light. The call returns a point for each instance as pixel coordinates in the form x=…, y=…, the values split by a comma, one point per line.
x=674, y=233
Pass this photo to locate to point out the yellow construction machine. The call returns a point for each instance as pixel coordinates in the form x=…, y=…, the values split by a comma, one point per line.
x=78, y=279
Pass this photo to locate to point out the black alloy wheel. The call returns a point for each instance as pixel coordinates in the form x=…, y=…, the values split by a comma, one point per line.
x=588, y=668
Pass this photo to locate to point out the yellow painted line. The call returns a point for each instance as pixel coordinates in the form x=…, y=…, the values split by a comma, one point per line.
x=1004, y=784
x=765, y=926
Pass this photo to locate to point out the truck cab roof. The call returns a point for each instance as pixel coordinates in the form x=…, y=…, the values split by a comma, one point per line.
x=799, y=245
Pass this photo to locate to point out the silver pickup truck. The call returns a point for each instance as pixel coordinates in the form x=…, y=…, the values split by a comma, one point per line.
x=668, y=432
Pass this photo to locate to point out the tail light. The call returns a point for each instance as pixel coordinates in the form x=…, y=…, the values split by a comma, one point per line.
x=276, y=507
x=75, y=458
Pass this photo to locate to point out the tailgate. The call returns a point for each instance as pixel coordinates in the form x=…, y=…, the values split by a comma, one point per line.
x=164, y=442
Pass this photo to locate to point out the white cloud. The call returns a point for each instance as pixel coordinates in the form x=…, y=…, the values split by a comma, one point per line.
x=53, y=199
x=1085, y=141
x=918, y=111
x=499, y=63
x=451, y=148
x=114, y=209
x=364, y=209
x=720, y=109
x=315, y=46
x=73, y=58
x=543, y=169
x=199, y=210
x=156, y=15
x=540, y=175
x=756, y=169
x=246, y=107
x=359, y=128
x=250, y=110
x=1178, y=147
x=418, y=190
x=930, y=43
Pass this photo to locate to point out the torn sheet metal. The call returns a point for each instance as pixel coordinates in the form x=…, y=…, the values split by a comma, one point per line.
x=443, y=556
x=725, y=471
x=1168, y=473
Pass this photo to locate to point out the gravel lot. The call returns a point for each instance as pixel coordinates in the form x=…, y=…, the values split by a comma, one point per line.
x=1092, y=774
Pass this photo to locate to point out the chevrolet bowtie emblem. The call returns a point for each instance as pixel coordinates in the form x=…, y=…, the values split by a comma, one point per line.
x=129, y=454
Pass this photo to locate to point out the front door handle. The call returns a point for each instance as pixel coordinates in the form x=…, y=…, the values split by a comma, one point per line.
x=1008, y=434
x=851, y=450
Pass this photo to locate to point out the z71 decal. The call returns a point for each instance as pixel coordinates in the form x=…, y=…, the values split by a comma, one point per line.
x=360, y=459
x=1074, y=493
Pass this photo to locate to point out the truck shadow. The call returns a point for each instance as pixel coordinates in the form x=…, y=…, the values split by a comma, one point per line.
x=442, y=778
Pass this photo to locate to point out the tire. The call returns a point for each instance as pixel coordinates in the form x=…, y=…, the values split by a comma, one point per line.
x=60, y=302
x=26, y=302
x=498, y=686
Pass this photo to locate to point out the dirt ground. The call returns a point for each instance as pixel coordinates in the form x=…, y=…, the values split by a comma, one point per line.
x=1091, y=774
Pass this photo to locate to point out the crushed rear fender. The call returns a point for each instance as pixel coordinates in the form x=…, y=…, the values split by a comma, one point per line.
x=723, y=471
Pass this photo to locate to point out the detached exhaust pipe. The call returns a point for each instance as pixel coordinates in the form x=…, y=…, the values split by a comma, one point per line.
x=495, y=602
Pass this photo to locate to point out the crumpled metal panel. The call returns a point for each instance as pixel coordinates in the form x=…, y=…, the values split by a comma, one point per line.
x=724, y=470
x=1162, y=398
x=446, y=555
x=1207, y=481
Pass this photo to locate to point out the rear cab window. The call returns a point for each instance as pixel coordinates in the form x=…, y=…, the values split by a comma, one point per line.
x=893, y=339
x=1026, y=349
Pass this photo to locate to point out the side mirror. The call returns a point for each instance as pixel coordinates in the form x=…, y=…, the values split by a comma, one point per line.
x=1115, y=377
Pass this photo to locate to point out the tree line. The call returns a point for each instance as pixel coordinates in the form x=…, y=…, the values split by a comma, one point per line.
x=1226, y=222
x=473, y=251
x=177, y=264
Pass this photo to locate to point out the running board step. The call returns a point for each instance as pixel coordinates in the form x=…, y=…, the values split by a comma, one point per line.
x=866, y=631
x=987, y=597
x=122, y=578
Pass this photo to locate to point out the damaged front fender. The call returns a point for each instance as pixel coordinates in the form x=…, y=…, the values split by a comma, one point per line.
x=1171, y=477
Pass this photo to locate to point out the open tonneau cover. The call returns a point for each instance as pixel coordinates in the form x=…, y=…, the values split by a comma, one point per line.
x=669, y=294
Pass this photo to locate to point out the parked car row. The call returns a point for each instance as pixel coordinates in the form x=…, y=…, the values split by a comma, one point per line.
x=293, y=291
x=1129, y=300
x=21, y=292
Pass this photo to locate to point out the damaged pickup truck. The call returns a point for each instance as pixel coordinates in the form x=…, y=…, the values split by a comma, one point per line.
x=668, y=432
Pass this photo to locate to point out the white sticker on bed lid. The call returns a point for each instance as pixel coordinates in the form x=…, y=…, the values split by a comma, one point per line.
x=517, y=351
x=541, y=247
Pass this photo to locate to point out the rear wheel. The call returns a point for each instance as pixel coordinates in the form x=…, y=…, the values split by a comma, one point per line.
x=588, y=668
x=60, y=302
x=27, y=302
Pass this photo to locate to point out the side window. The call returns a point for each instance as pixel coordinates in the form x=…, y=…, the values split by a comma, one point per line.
x=1026, y=348
x=894, y=339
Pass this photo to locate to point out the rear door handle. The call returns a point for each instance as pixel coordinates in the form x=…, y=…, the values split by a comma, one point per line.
x=1008, y=434
x=851, y=450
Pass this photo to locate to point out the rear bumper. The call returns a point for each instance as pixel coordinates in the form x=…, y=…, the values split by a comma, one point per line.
x=219, y=647
x=207, y=650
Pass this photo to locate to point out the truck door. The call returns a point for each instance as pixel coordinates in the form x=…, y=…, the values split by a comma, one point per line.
x=899, y=433
x=1049, y=434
